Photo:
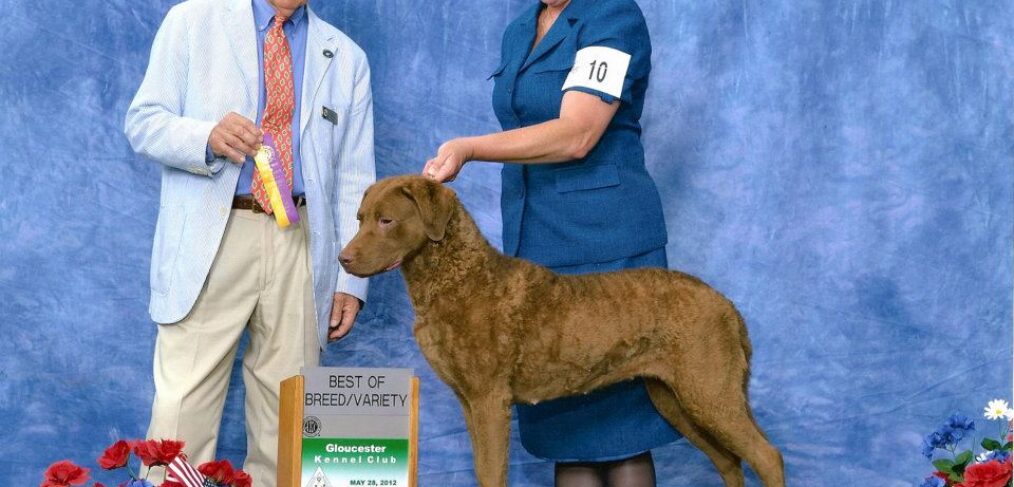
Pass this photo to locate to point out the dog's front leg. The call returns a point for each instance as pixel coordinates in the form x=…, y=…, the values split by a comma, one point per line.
x=488, y=420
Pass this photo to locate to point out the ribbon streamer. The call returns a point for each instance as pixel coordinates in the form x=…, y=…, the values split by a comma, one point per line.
x=269, y=166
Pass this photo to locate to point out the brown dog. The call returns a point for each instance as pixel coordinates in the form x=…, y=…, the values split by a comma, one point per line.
x=500, y=330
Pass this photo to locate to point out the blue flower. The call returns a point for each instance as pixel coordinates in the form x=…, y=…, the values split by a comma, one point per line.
x=927, y=447
x=942, y=438
x=932, y=481
x=947, y=435
x=960, y=422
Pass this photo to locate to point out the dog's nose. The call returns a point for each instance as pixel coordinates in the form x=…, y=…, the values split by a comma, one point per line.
x=345, y=258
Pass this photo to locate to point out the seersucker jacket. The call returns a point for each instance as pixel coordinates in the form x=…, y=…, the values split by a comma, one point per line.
x=203, y=65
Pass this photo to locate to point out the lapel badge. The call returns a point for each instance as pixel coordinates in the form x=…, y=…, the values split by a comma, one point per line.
x=329, y=115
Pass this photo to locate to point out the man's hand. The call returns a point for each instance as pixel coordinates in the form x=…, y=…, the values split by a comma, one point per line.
x=235, y=137
x=450, y=158
x=344, y=310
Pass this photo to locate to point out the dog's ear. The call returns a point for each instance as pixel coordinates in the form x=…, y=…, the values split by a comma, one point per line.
x=435, y=203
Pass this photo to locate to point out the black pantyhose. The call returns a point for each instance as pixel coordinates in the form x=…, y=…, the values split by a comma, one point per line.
x=636, y=471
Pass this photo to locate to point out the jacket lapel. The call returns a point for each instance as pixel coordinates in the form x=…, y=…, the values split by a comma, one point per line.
x=239, y=28
x=314, y=66
x=560, y=30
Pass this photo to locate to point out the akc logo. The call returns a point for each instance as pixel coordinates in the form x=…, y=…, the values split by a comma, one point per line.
x=311, y=426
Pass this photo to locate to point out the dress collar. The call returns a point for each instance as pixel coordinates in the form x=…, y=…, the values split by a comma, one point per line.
x=573, y=11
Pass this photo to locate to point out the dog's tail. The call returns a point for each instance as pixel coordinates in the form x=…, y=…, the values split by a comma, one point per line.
x=744, y=341
x=744, y=337
x=736, y=321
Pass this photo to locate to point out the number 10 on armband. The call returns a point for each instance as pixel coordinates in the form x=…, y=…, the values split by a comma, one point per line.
x=598, y=71
x=599, y=68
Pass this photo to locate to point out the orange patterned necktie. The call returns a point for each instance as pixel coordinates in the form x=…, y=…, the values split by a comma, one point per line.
x=277, y=118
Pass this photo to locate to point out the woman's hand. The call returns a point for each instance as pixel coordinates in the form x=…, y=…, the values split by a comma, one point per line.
x=450, y=158
x=583, y=119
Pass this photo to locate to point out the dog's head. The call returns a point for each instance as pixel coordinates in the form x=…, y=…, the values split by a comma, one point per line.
x=397, y=217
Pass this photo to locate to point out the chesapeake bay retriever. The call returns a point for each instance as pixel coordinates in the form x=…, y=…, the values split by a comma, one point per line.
x=500, y=330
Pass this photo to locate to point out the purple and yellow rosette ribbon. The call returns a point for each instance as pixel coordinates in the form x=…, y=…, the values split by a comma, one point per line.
x=269, y=166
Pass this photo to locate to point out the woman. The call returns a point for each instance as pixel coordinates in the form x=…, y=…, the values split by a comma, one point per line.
x=577, y=198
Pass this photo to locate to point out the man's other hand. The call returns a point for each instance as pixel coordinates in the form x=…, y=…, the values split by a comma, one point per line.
x=344, y=310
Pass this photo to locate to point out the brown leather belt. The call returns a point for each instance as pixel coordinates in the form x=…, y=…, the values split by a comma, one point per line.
x=249, y=203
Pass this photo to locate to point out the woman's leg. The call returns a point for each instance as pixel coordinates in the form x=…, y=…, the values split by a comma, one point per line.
x=579, y=474
x=636, y=471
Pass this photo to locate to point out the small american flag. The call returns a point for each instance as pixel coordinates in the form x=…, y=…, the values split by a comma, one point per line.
x=184, y=473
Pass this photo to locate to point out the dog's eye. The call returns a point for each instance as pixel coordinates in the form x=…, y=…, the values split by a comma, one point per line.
x=385, y=222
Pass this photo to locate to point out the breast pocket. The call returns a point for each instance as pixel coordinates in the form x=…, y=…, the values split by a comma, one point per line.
x=327, y=127
x=498, y=71
x=559, y=63
x=547, y=77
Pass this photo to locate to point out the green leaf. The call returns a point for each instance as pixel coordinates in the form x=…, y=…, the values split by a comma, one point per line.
x=963, y=460
x=944, y=465
x=991, y=444
x=1008, y=445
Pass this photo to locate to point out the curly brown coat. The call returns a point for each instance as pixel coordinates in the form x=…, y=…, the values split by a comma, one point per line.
x=500, y=330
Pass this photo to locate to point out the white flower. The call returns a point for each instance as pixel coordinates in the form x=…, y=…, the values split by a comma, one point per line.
x=1009, y=414
x=997, y=409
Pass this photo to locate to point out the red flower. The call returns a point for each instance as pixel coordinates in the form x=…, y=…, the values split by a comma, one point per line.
x=115, y=456
x=242, y=479
x=221, y=471
x=157, y=452
x=64, y=473
x=990, y=474
x=945, y=477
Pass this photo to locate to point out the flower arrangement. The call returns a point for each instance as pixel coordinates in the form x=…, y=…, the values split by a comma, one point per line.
x=152, y=453
x=992, y=467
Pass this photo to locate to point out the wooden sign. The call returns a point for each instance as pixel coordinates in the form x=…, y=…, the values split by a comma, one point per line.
x=349, y=427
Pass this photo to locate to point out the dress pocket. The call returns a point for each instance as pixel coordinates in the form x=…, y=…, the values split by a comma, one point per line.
x=587, y=177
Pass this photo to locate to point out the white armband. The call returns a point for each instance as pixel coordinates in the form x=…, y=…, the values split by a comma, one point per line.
x=599, y=68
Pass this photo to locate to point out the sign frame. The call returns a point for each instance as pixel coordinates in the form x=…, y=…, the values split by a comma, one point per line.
x=290, y=432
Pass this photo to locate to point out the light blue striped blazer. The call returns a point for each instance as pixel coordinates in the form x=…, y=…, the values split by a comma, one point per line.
x=203, y=65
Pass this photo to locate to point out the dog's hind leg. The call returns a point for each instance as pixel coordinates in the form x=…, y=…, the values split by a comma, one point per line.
x=488, y=420
x=727, y=463
x=725, y=415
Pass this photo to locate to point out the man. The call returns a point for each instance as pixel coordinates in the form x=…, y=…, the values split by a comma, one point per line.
x=223, y=73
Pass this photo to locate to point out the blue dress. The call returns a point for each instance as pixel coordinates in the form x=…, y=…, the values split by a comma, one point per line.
x=595, y=214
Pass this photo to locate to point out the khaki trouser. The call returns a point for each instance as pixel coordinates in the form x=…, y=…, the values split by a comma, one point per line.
x=260, y=280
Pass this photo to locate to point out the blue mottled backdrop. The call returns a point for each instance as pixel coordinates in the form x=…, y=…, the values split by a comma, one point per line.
x=840, y=169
